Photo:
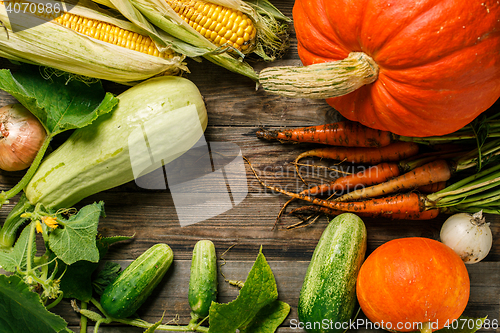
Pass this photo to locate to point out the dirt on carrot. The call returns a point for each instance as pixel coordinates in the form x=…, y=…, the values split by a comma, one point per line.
x=374, y=174
x=391, y=153
x=404, y=203
x=431, y=188
x=343, y=133
x=430, y=173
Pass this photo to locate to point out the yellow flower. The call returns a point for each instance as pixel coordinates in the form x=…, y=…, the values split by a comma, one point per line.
x=38, y=227
x=50, y=221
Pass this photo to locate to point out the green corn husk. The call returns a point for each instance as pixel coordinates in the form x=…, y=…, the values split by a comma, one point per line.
x=53, y=45
x=271, y=24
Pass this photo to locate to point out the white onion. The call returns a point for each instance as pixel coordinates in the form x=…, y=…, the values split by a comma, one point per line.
x=468, y=235
x=21, y=136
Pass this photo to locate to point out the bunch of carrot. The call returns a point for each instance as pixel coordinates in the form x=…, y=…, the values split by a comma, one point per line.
x=406, y=177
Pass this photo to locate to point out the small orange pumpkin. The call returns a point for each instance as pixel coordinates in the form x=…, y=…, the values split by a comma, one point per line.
x=433, y=66
x=411, y=284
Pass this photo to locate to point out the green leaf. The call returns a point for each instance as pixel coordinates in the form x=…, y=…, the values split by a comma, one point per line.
x=269, y=318
x=105, y=276
x=23, y=311
x=254, y=309
x=61, y=103
x=78, y=281
x=76, y=239
x=18, y=256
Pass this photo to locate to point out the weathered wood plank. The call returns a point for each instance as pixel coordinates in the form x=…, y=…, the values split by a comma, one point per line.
x=171, y=295
x=236, y=109
x=151, y=215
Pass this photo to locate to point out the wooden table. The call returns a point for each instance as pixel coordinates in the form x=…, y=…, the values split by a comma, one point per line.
x=236, y=110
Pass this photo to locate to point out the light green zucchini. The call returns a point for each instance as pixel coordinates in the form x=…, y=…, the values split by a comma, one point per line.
x=123, y=297
x=158, y=119
x=328, y=295
x=203, y=278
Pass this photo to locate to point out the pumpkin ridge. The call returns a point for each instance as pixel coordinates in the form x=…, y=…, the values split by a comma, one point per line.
x=407, y=113
x=393, y=36
x=457, y=33
x=380, y=89
x=326, y=44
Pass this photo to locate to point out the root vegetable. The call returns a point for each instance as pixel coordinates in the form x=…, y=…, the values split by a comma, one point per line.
x=468, y=235
x=433, y=172
x=342, y=133
x=375, y=174
x=21, y=136
x=391, y=153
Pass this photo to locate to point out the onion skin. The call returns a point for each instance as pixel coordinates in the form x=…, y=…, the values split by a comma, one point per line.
x=413, y=280
x=468, y=235
x=21, y=136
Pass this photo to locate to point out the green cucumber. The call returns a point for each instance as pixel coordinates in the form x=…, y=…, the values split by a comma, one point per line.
x=328, y=295
x=129, y=291
x=158, y=119
x=203, y=279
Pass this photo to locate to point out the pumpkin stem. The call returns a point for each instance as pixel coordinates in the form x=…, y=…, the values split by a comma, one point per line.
x=426, y=327
x=323, y=80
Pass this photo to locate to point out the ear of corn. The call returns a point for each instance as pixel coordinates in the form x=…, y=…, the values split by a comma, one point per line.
x=223, y=31
x=270, y=28
x=222, y=26
x=87, y=42
x=162, y=40
x=110, y=33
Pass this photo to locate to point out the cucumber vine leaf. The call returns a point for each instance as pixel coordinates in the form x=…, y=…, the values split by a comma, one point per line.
x=269, y=318
x=256, y=309
x=23, y=311
x=17, y=258
x=60, y=103
x=78, y=232
x=83, y=277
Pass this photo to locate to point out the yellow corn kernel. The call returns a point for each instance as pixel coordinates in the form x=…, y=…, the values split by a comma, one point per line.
x=114, y=35
x=222, y=26
x=105, y=32
x=212, y=26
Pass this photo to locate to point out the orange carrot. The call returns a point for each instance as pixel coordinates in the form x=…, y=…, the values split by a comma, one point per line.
x=433, y=172
x=405, y=203
x=342, y=133
x=409, y=204
x=391, y=153
x=432, y=188
x=425, y=215
x=374, y=174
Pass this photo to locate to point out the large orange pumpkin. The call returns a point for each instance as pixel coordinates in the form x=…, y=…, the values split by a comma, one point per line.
x=408, y=282
x=438, y=60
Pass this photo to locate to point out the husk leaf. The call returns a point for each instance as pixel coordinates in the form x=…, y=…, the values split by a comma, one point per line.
x=271, y=26
x=50, y=44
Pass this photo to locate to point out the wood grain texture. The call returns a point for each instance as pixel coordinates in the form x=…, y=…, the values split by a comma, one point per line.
x=171, y=294
x=236, y=109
